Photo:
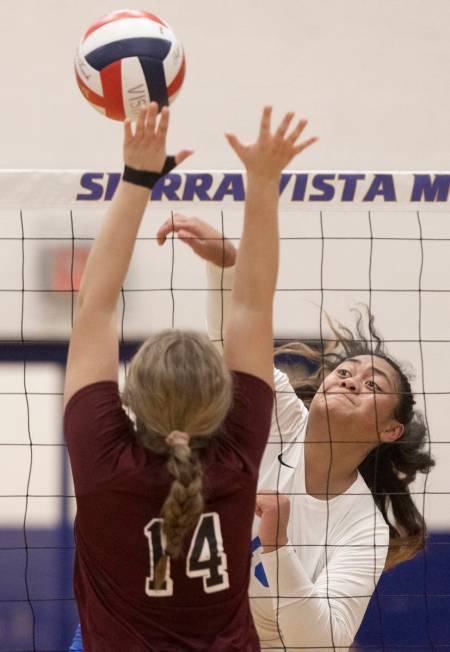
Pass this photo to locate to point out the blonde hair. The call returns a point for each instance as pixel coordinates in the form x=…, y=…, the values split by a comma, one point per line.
x=178, y=381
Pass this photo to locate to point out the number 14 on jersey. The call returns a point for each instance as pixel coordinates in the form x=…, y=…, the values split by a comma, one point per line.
x=206, y=557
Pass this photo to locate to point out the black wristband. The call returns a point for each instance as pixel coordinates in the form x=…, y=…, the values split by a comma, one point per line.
x=145, y=178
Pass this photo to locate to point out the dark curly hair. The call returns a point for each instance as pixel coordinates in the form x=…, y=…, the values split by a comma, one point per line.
x=390, y=468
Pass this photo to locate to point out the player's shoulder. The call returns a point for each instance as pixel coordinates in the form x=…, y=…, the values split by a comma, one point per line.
x=243, y=380
x=92, y=393
x=285, y=391
x=281, y=380
x=94, y=410
x=361, y=511
x=251, y=395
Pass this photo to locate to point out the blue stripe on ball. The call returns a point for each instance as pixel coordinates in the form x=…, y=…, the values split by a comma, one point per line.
x=156, y=80
x=101, y=57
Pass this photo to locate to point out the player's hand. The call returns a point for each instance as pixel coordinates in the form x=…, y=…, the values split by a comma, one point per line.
x=272, y=152
x=202, y=238
x=274, y=510
x=145, y=149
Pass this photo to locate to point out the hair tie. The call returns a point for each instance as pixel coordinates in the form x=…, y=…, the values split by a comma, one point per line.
x=177, y=437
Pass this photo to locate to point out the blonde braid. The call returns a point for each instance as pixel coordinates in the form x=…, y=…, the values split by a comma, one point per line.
x=185, y=502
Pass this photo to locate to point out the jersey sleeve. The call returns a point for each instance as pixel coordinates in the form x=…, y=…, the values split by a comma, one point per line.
x=329, y=611
x=99, y=434
x=247, y=425
x=289, y=416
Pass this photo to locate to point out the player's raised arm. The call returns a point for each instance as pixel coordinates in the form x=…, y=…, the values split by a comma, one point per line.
x=248, y=344
x=93, y=352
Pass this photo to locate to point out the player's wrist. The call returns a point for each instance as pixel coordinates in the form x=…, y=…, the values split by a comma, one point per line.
x=222, y=256
x=265, y=178
x=272, y=547
x=147, y=178
x=271, y=540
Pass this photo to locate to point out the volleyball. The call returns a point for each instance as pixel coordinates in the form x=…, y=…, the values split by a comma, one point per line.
x=128, y=59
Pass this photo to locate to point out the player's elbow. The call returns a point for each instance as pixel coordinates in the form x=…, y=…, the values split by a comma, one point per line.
x=91, y=303
x=248, y=327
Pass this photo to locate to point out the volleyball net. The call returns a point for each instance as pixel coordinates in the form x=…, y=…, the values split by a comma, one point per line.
x=382, y=240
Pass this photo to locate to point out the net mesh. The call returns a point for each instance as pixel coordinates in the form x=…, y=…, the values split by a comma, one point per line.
x=392, y=258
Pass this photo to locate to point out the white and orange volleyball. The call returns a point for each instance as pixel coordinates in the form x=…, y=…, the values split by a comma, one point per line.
x=127, y=59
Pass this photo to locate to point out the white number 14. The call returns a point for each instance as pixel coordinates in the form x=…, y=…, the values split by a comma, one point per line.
x=206, y=557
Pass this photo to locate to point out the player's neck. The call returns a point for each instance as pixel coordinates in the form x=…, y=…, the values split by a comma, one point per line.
x=330, y=467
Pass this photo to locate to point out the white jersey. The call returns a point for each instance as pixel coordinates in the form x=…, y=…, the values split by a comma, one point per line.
x=313, y=592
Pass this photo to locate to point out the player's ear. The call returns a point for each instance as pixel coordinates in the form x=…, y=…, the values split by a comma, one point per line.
x=393, y=432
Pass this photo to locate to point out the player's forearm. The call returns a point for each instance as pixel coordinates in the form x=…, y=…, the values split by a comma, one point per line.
x=257, y=259
x=111, y=253
x=220, y=283
x=307, y=616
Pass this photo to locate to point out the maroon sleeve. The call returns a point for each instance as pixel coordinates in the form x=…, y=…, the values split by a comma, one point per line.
x=99, y=435
x=247, y=425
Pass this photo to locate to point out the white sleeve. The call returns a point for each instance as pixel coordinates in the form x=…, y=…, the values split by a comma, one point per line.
x=289, y=415
x=328, y=612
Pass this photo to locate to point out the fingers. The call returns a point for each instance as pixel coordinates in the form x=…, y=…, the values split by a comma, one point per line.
x=163, y=125
x=236, y=145
x=271, y=501
x=128, y=132
x=280, y=134
x=176, y=224
x=167, y=227
x=150, y=129
x=295, y=135
x=146, y=123
x=297, y=132
x=264, y=129
x=170, y=225
x=258, y=508
x=304, y=145
x=271, y=152
x=282, y=129
x=187, y=236
x=140, y=124
x=183, y=155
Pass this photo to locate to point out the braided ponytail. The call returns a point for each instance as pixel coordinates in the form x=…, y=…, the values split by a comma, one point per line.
x=178, y=383
x=185, y=502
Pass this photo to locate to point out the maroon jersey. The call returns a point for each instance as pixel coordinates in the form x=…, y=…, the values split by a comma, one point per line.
x=120, y=488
